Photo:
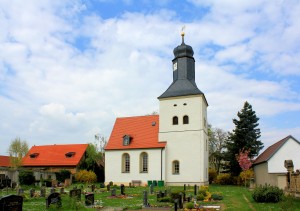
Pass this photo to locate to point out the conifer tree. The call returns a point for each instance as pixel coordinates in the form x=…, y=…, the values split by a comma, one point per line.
x=245, y=136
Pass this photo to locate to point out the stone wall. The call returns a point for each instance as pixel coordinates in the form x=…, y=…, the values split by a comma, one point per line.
x=295, y=182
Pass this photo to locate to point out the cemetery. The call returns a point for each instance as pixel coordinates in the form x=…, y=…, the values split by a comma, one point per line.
x=112, y=197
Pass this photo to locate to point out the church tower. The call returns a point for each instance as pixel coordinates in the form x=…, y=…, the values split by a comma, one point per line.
x=183, y=123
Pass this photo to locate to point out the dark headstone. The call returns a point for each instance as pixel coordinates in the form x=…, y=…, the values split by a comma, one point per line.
x=189, y=199
x=166, y=193
x=93, y=188
x=75, y=193
x=184, y=187
x=160, y=194
x=11, y=203
x=184, y=198
x=62, y=190
x=89, y=199
x=31, y=192
x=122, y=189
x=113, y=192
x=175, y=204
x=108, y=187
x=130, y=185
x=53, y=198
x=43, y=192
x=195, y=190
x=180, y=202
x=145, y=199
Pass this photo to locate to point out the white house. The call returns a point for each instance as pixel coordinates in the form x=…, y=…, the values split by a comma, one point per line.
x=269, y=165
x=171, y=147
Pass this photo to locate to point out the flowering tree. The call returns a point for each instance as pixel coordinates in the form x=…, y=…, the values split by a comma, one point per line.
x=244, y=160
x=245, y=163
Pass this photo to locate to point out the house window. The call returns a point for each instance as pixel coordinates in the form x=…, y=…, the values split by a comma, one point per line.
x=175, y=120
x=144, y=162
x=186, y=119
x=126, y=163
x=175, y=167
x=70, y=154
x=34, y=155
x=126, y=140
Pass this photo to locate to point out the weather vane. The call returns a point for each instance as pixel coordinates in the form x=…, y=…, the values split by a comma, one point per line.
x=182, y=33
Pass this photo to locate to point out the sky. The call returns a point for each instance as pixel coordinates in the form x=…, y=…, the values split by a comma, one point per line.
x=69, y=68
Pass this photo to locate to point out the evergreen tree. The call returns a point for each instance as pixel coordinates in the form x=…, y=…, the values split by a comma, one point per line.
x=244, y=137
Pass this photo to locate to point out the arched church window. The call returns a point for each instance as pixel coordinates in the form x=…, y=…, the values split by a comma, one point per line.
x=125, y=163
x=175, y=120
x=185, y=119
x=175, y=167
x=144, y=162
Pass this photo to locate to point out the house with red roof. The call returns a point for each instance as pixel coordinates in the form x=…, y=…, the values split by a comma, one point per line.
x=269, y=165
x=53, y=158
x=171, y=147
x=4, y=161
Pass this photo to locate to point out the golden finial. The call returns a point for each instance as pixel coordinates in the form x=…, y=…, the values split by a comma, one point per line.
x=182, y=33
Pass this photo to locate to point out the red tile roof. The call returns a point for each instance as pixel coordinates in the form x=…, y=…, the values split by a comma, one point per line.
x=4, y=161
x=54, y=155
x=271, y=150
x=143, y=133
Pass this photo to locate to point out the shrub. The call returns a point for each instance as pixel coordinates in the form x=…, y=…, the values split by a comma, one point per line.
x=212, y=175
x=267, y=193
x=175, y=195
x=200, y=197
x=203, y=192
x=217, y=196
x=165, y=199
x=62, y=175
x=246, y=176
x=189, y=205
x=26, y=177
x=224, y=179
x=86, y=176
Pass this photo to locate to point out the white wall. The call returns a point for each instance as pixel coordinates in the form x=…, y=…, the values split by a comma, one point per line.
x=185, y=142
x=113, y=166
x=289, y=151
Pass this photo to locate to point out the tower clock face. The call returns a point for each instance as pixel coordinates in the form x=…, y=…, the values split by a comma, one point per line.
x=175, y=66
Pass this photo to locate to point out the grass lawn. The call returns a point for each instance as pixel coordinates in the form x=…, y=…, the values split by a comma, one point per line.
x=235, y=198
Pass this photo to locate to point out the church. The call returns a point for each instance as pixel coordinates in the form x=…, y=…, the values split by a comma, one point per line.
x=171, y=147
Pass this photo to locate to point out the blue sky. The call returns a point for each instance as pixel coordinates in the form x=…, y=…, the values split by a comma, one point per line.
x=69, y=68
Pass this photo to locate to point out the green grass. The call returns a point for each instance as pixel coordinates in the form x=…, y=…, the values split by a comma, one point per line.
x=235, y=198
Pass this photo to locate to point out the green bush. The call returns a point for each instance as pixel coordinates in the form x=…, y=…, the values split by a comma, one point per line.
x=216, y=196
x=200, y=197
x=26, y=177
x=165, y=199
x=202, y=192
x=175, y=195
x=267, y=193
x=212, y=175
x=62, y=175
x=189, y=205
x=224, y=179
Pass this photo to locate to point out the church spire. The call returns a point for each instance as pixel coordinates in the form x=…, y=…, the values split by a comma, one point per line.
x=183, y=72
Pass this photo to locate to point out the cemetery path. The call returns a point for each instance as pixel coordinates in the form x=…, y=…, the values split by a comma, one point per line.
x=248, y=202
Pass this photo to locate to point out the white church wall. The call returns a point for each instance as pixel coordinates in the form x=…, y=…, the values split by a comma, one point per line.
x=114, y=158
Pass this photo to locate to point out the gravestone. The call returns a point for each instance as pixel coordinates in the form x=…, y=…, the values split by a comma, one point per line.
x=108, y=187
x=130, y=185
x=166, y=193
x=75, y=193
x=32, y=192
x=62, y=190
x=122, y=189
x=89, y=199
x=175, y=204
x=52, y=190
x=43, y=192
x=11, y=203
x=180, y=203
x=195, y=190
x=184, y=187
x=184, y=198
x=93, y=188
x=145, y=199
x=20, y=192
x=113, y=192
x=151, y=189
x=53, y=198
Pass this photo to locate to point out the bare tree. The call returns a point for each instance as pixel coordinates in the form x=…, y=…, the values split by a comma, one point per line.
x=217, y=146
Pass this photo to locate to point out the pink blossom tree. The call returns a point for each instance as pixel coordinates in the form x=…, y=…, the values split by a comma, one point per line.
x=245, y=163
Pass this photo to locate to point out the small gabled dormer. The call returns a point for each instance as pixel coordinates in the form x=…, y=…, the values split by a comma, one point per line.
x=34, y=155
x=126, y=140
x=70, y=154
